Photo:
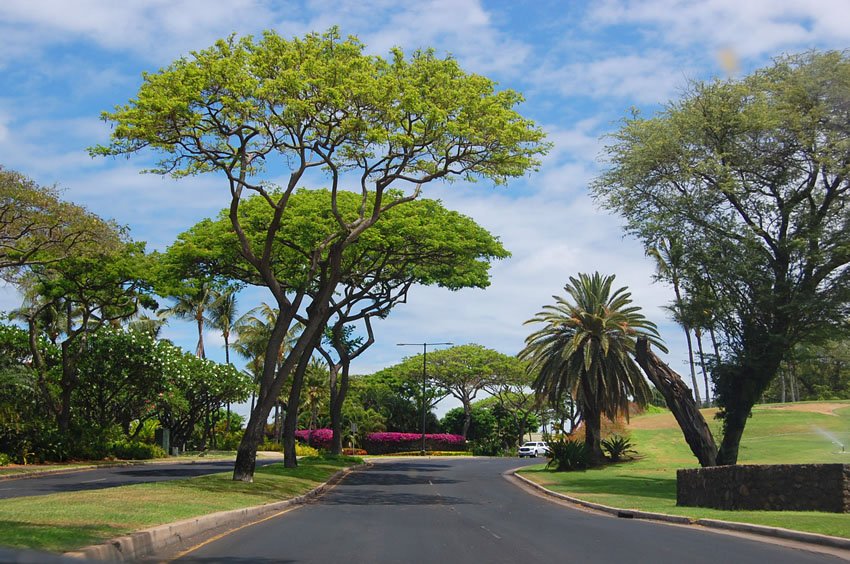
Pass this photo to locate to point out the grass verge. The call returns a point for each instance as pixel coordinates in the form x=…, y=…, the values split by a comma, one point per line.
x=773, y=436
x=62, y=522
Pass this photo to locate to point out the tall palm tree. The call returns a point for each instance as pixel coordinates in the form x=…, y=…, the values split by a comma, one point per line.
x=222, y=316
x=192, y=305
x=585, y=348
x=669, y=255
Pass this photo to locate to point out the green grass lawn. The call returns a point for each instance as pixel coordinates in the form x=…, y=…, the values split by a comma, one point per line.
x=62, y=522
x=773, y=436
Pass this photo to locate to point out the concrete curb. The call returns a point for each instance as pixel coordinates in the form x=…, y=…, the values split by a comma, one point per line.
x=148, y=542
x=615, y=511
x=81, y=468
x=777, y=532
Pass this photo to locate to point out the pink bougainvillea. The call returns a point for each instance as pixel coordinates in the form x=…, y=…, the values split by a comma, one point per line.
x=316, y=438
x=384, y=443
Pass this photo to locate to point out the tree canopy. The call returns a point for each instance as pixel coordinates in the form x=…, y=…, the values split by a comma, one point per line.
x=38, y=228
x=753, y=174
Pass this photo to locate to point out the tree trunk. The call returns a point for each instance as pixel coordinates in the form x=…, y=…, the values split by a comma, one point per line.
x=67, y=384
x=246, y=453
x=701, y=352
x=593, y=435
x=467, y=418
x=691, y=363
x=290, y=421
x=199, y=350
x=681, y=403
x=338, y=393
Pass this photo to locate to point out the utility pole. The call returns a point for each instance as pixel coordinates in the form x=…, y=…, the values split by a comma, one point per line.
x=424, y=377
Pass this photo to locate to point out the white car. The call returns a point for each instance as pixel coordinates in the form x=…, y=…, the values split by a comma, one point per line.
x=533, y=448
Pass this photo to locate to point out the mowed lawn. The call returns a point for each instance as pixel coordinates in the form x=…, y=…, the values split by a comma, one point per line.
x=776, y=434
x=62, y=522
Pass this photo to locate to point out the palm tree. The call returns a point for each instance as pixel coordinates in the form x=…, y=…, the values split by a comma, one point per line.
x=584, y=350
x=192, y=305
x=669, y=255
x=222, y=316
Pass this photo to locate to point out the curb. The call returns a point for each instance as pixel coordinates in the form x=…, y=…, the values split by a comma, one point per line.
x=776, y=532
x=148, y=542
x=82, y=468
x=615, y=511
x=85, y=467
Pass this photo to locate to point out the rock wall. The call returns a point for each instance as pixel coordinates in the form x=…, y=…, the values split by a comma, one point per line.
x=796, y=487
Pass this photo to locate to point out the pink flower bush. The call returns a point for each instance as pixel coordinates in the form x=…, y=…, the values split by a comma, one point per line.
x=384, y=443
x=316, y=438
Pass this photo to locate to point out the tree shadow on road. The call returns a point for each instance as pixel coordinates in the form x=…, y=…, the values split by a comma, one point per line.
x=381, y=497
x=375, y=478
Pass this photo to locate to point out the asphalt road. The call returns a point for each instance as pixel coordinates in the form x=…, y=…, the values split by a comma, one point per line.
x=100, y=478
x=464, y=510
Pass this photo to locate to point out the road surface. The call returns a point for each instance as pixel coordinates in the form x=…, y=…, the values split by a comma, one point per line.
x=463, y=510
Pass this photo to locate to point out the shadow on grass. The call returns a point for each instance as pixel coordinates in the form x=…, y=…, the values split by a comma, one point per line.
x=52, y=537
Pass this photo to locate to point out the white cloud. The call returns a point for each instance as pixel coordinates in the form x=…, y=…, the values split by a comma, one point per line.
x=647, y=77
x=752, y=28
x=151, y=28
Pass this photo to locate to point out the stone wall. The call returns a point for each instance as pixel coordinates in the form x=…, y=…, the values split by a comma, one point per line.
x=797, y=487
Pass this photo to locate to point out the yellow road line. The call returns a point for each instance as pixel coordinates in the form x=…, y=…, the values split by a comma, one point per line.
x=220, y=536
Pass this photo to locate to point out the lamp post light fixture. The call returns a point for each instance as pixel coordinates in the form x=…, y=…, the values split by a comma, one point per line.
x=424, y=377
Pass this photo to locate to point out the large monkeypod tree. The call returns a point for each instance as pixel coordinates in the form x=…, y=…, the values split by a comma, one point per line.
x=251, y=110
x=753, y=173
x=419, y=243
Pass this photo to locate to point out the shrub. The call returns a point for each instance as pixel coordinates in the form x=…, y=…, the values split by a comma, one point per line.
x=5, y=460
x=316, y=438
x=568, y=455
x=488, y=447
x=271, y=446
x=134, y=450
x=354, y=452
x=305, y=450
x=617, y=447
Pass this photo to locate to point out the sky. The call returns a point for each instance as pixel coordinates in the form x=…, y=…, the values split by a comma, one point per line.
x=582, y=67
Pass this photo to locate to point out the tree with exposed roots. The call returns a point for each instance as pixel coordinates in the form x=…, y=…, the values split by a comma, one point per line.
x=584, y=349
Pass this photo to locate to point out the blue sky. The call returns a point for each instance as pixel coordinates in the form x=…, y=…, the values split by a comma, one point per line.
x=580, y=65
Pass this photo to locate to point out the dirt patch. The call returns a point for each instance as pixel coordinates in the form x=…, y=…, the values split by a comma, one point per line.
x=665, y=420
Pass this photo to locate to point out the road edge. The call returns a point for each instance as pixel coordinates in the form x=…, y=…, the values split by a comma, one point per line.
x=763, y=530
x=148, y=542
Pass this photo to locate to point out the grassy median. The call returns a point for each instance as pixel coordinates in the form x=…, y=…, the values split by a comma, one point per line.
x=62, y=522
x=776, y=434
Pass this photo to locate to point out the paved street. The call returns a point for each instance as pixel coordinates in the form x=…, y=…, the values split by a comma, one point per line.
x=116, y=476
x=464, y=510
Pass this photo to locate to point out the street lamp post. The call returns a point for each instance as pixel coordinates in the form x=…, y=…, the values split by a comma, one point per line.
x=424, y=377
